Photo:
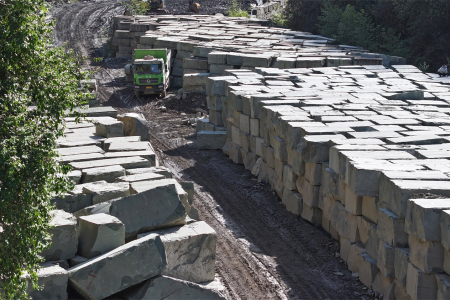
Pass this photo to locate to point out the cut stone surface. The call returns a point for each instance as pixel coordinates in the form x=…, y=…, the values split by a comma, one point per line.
x=119, y=269
x=164, y=287
x=109, y=128
x=443, y=286
x=140, y=177
x=158, y=170
x=157, y=205
x=190, y=251
x=126, y=162
x=425, y=255
x=134, y=124
x=108, y=174
x=98, y=234
x=130, y=139
x=126, y=146
x=423, y=216
x=102, y=192
x=211, y=139
x=391, y=229
x=401, y=264
x=420, y=285
x=64, y=236
x=53, y=281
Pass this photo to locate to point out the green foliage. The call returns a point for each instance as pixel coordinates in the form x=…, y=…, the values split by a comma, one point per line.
x=38, y=83
x=279, y=20
x=414, y=29
x=138, y=7
x=235, y=10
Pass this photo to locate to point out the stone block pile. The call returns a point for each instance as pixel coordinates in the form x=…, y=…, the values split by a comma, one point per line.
x=267, y=9
x=361, y=151
x=204, y=46
x=127, y=229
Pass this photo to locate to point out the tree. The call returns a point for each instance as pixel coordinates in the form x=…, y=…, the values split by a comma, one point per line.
x=38, y=84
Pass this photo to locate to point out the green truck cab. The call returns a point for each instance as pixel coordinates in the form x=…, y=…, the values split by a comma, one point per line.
x=150, y=71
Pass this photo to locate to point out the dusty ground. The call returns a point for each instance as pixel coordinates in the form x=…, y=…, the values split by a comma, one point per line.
x=263, y=251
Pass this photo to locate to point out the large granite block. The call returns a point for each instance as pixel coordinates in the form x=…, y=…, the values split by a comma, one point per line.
x=64, y=236
x=119, y=269
x=53, y=280
x=190, y=251
x=98, y=234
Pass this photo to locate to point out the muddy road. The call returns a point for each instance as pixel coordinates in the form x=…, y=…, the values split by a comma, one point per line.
x=263, y=251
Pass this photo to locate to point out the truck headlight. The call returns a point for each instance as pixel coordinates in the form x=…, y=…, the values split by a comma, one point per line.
x=160, y=86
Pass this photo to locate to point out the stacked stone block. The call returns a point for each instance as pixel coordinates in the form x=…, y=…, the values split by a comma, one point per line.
x=359, y=151
x=213, y=44
x=95, y=245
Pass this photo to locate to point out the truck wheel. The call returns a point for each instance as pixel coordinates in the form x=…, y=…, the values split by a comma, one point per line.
x=138, y=94
x=163, y=94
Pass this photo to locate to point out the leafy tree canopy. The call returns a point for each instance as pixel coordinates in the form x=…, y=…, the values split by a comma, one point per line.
x=38, y=84
x=414, y=29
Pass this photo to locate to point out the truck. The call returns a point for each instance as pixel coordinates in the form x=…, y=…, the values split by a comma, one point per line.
x=150, y=71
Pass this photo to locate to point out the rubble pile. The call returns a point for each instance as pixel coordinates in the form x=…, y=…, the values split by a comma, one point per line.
x=206, y=46
x=361, y=151
x=127, y=229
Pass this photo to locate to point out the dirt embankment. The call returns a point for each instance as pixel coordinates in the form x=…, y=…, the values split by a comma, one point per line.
x=263, y=251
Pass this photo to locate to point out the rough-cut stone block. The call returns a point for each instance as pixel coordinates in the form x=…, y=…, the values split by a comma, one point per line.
x=443, y=286
x=370, y=208
x=293, y=201
x=108, y=174
x=123, y=146
x=102, y=191
x=384, y=286
x=354, y=256
x=385, y=259
x=190, y=251
x=64, y=236
x=164, y=287
x=445, y=228
x=211, y=139
x=420, y=285
x=134, y=124
x=353, y=202
x=364, y=227
x=72, y=201
x=109, y=128
x=53, y=281
x=119, y=269
x=401, y=264
x=391, y=229
x=423, y=216
x=98, y=234
x=312, y=214
x=367, y=269
x=140, y=177
x=425, y=255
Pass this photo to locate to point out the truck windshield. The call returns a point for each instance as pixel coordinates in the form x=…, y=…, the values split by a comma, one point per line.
x=148, y=69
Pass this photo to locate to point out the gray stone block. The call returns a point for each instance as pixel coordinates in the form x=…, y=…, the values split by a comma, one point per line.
x=53, y=281
x=102, y=191
x=108, y=174
x=72, y=201
x=140, y=177
x=64, y=236
x=134, y=124
x=109, y=128
x=423, y=216
x=190, y=251
x=158, y=170
x=211, y=139
x=98, y=234
x=164, y=287
x=127, y=146
x=119, y=269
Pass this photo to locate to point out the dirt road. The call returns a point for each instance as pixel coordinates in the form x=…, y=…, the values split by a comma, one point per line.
x=263, y=251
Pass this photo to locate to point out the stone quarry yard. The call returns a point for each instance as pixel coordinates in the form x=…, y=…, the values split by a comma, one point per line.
x=263, y=251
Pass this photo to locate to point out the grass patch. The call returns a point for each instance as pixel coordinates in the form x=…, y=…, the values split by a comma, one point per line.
x=235, y=10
